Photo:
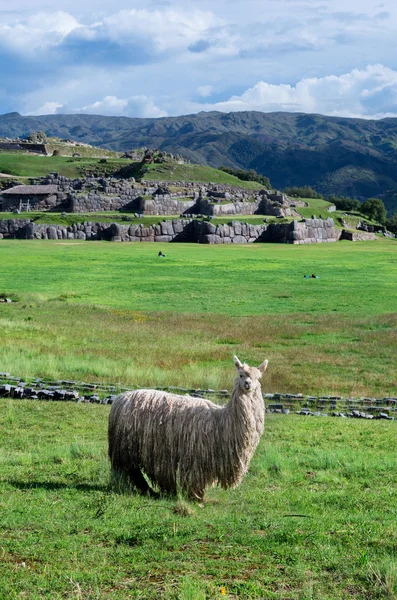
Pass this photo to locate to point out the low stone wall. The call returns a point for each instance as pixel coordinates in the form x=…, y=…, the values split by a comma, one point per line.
x=357, y=236
x=93, y=202
x=36, y=202
x=178, y=230
x=167, y=205
x=23, y=147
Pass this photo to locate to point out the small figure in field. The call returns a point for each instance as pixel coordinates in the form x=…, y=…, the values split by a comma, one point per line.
x=186, y=443
x=161, y=254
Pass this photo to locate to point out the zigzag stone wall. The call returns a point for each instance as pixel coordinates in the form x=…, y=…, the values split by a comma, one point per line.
x=178, y=230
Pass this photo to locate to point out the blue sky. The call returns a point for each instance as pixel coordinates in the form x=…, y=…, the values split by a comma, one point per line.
x=159, y=58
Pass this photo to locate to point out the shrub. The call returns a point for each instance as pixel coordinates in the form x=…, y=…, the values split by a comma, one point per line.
x=303, y=192
x=345, y=203
x=249, y=175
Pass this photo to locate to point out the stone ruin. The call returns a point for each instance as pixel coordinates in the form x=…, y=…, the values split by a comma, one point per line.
x=156, y=198
x=306, y=231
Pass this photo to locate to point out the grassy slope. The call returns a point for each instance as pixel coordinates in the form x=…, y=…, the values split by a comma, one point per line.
x=25, y=165
x=84, y=151
x=314, y=517
x=119, y=313
x=191, y=172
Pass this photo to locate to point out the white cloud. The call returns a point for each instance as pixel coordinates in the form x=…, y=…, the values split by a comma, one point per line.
x=167, y=29
x=134, y=106
x=37, y=31
x=48, y=108
x=366, y=93
x=204, y=90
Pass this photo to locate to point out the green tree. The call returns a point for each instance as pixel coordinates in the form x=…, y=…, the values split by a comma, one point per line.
x=374, y=209
x=391, y=223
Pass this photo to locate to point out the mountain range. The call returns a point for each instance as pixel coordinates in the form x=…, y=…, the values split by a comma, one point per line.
x=335, y=155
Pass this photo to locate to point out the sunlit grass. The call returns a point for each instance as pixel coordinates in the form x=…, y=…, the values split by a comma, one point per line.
x=314, y=515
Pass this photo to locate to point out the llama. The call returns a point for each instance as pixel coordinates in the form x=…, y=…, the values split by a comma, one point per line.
x=185, y=442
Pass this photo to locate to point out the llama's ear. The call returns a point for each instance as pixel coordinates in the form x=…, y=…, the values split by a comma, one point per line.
x=262, y=368
x=237, y=363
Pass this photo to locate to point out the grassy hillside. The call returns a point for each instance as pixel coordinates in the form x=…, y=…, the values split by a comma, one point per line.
x=312, y=519
x=26, y=165
x=192, y=172
x=341, y=156
x=55, y=145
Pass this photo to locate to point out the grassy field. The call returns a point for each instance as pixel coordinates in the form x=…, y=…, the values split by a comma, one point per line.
x=25, y=165
x=119, y=313
x=315, y=517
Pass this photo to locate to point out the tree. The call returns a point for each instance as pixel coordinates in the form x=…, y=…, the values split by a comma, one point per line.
x=374, y=209
x=391, y=223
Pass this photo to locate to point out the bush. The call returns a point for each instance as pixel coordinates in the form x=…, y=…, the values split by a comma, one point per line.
x=249, y=175
x=303, y=192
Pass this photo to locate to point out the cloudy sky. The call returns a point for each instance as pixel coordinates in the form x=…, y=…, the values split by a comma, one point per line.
x=159, y=58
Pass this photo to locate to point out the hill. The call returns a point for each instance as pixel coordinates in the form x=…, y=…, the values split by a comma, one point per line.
x=336, y=155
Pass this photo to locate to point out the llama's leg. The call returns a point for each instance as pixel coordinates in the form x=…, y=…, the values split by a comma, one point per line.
x=138, y=481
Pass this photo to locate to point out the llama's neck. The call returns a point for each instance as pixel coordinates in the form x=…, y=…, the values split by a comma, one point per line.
x=245, y=413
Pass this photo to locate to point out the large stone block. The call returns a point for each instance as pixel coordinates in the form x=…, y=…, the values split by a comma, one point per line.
x=239, y=239
x=52, y=233
x=163, y=238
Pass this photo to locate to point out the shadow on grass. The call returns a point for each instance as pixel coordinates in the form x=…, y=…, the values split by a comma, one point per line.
x=57, y=485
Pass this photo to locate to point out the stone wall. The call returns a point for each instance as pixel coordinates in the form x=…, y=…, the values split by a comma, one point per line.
x=95, y=202
x=23, y=147
x=167, y=205
x=357, y=236
x=36, y=202
x=177, y=230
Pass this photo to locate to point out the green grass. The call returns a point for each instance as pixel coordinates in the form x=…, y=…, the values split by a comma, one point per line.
x=191, y=172
x=316, y=207
x=118, y=313
x=314, y=517
x=25, y=165
x=84, y=151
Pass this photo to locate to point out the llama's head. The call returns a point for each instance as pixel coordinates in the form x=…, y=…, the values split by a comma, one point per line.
x=248, y=377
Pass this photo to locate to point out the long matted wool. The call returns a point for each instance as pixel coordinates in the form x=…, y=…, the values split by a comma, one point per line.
x=185, y=442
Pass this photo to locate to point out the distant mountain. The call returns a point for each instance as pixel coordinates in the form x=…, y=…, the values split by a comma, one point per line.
x=354, y=157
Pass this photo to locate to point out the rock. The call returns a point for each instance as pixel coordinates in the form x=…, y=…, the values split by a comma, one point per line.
x=52, y=233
